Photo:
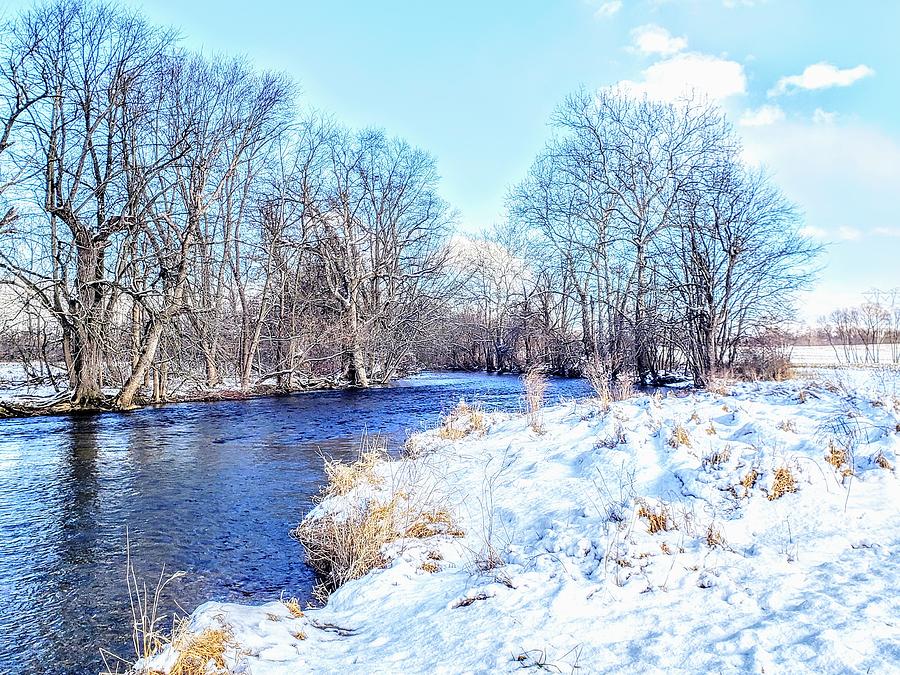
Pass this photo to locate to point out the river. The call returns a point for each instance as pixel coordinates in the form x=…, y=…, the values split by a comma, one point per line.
x=211, y=489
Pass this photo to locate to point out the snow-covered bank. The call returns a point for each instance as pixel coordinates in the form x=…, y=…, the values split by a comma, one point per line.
x=558, y=566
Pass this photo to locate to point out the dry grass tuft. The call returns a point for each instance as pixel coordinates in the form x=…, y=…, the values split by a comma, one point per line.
x=839, y=459
x=349, y=547
x=201, y=653
x=711, y=430
x=298, y=635
x=293, y=606
x=597, y=374
x=695, y=418
x=749, y=480
x=784, y=483
x=149, y=635
x=488, y=559
x=881, y=461
x=680, y=436
x=714, y=537
x=717, y=458
x=463, y=420
x=718, y=386
x=608, y=390
x=788, y=426
x=431, y=523
x=659, y=519
x=535, y=387
x=342, y=477
x=429, y=566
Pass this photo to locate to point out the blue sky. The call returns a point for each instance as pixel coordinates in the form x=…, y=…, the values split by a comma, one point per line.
x=475, y=84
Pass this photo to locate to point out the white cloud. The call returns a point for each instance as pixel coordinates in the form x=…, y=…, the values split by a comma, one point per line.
x=814, y=232
x=767, y=114
x=847, y=233
x=652, y=39
x=607, y=9
x=823, y=116
x=821, y=76
x=887, y=231
x=690, y=73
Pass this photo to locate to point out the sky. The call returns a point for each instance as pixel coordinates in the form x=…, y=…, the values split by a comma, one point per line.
x=812, y=87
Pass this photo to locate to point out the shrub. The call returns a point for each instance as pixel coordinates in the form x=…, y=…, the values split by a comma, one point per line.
x=764, y=362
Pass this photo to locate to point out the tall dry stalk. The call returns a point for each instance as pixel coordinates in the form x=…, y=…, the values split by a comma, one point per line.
x=148, y=632
x=597, y=374
x=535, y=387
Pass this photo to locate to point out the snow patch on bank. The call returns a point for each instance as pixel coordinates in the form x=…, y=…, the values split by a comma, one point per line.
x=740, y=582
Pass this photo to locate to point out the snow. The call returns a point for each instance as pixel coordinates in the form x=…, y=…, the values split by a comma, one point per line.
x=853, y=355
x=807, y=582
x=17, y=388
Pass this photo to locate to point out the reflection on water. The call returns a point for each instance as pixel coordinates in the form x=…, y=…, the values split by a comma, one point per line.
x=212, y=489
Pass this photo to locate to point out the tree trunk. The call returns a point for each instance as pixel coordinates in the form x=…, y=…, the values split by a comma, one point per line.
x=356, y=374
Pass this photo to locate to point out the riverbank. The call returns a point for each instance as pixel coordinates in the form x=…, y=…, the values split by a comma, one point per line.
x=20, y=398
x=748, y=530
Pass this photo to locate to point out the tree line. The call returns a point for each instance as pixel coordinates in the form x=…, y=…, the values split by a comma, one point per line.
x=172, y=221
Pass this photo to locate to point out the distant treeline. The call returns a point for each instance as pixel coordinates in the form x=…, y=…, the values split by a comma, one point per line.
x=172, y=220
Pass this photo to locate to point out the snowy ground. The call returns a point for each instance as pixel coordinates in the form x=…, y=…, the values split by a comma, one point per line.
x=855, y=355
x=807, y=582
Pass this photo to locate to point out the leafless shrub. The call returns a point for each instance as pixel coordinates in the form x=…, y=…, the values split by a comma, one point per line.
x=765, y=360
